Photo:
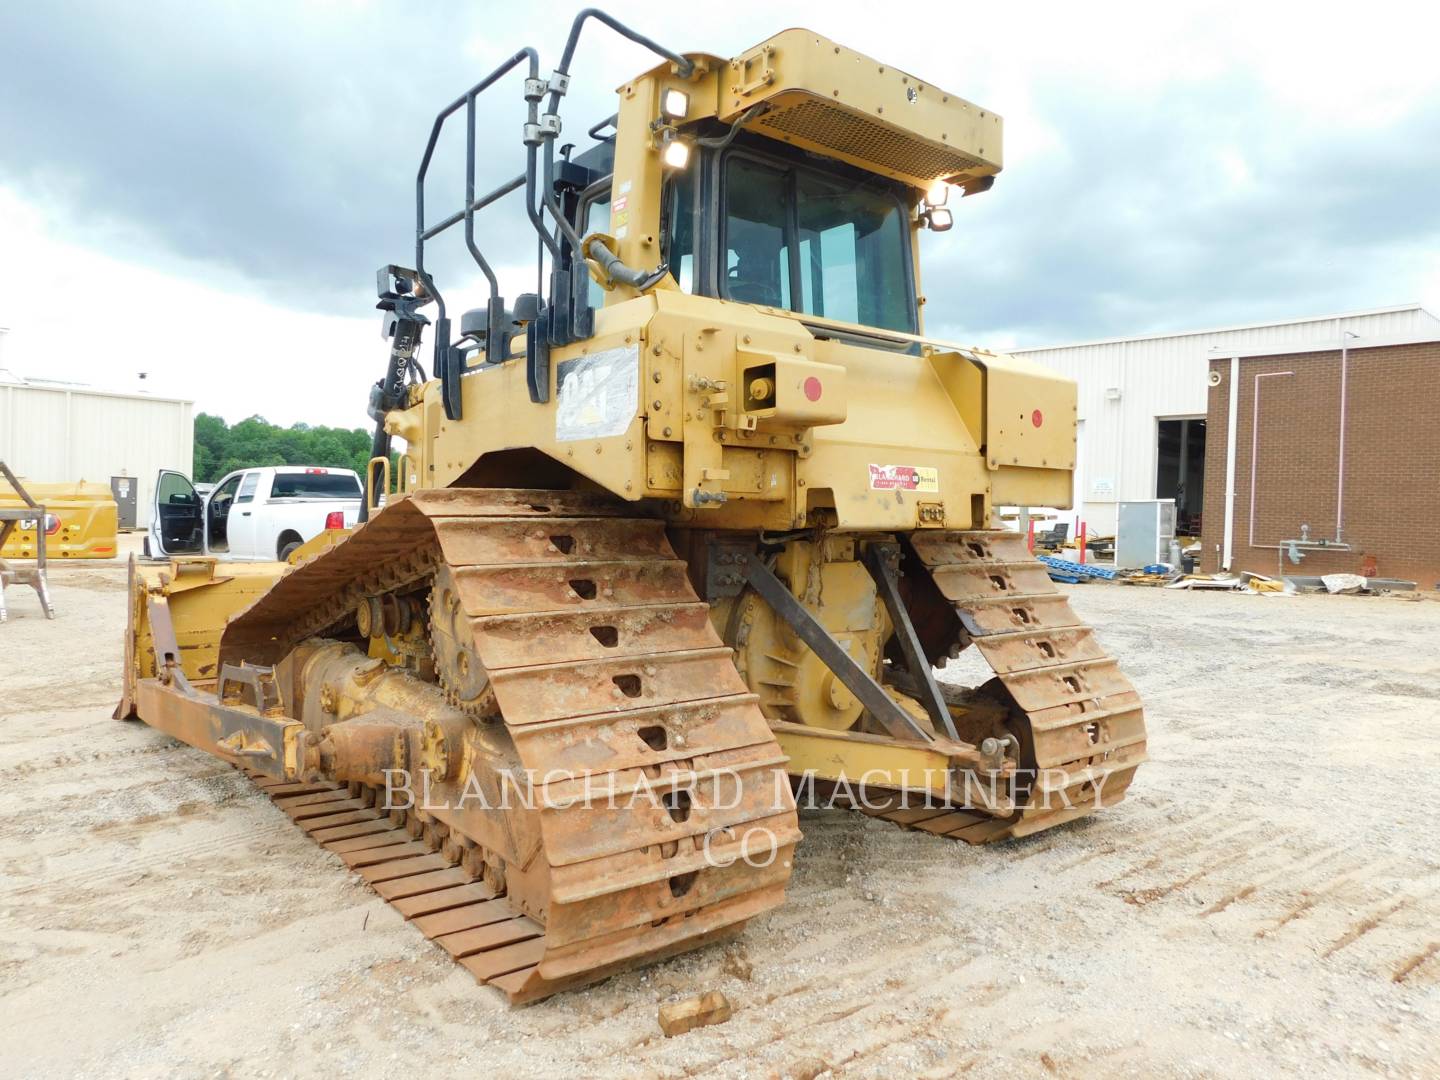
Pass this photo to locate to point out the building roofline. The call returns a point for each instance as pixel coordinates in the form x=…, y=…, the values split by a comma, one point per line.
x=1423, y=337
x=1228, y=329
x=94, y=391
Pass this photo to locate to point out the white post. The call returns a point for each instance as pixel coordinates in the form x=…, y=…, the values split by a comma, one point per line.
x=1231, y=427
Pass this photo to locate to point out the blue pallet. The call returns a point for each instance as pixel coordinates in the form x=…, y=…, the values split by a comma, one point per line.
x=1071, y=572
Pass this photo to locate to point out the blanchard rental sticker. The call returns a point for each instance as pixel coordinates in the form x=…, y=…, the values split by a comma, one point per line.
x=598, y=395
x=904, y=478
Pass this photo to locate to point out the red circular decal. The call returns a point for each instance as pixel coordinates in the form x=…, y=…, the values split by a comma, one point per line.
x=813, y=389
x=1037, y=418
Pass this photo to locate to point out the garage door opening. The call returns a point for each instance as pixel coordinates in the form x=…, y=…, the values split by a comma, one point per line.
x=1180, y=470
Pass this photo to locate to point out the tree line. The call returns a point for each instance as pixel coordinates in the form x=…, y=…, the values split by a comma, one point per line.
x=222, y=448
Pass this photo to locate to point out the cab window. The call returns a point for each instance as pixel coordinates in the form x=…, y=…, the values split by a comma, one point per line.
x=595, y=217
x=756, y=247
x=845, y=244
x=680, y=230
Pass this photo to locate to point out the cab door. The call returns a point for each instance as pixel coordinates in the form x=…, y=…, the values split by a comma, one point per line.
x=177, y=520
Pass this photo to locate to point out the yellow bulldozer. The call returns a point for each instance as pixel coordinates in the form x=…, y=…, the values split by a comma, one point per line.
x=672, y=541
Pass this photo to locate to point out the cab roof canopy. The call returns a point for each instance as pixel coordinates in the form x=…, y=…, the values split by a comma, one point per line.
x=826, y=98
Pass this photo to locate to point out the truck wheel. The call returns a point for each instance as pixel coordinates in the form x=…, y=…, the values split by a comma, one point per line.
x=287, y=549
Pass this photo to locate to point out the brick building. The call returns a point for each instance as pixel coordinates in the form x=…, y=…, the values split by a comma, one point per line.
x=1308, y=445
x=1146, y=414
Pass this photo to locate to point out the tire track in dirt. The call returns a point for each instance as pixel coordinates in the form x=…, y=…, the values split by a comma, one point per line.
x=1412, y=964
x=1367, y=924
x=1288, y=870
x=1200, y=846
x=1313, y=900
x=875, y=991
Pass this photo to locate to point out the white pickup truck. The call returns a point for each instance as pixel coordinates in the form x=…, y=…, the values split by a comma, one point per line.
x=252, y=515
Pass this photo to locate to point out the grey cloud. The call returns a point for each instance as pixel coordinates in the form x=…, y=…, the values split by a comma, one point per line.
x=1137, y=228
x=280, y=141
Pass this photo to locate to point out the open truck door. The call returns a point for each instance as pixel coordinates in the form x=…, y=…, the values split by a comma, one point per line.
x=177, y=521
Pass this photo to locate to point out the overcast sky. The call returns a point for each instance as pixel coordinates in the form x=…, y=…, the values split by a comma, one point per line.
x=203, y=191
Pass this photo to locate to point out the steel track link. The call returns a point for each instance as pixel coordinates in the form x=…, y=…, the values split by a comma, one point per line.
x=606, y=672
x=1078, y=719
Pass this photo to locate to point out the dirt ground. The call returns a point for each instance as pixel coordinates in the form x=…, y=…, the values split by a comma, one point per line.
x=1267, y=900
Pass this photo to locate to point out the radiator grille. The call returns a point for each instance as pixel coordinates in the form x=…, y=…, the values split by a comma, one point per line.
x=826, y=125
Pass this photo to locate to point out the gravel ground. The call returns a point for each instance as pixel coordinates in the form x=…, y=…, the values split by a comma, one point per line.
x=1266, y=900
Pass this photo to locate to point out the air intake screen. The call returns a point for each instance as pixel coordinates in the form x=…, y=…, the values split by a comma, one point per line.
x=842, y=131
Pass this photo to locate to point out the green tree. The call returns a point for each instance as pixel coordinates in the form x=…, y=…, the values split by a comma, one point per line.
x=254, y=442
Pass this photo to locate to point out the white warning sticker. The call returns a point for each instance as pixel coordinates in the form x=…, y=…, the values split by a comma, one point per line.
x=904, y=478
x=597, y=395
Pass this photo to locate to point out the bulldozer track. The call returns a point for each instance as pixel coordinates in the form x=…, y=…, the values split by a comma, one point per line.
x=1077, y=717
x=603, y=667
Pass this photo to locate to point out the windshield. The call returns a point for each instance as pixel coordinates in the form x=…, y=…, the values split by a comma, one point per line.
x=843, y=244
x=315, y=486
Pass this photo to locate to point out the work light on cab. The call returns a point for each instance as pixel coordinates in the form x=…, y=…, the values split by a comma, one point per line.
x=676, y=152
x=676, y=104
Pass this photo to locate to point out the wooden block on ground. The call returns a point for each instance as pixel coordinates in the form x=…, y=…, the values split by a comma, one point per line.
x=679, y=1017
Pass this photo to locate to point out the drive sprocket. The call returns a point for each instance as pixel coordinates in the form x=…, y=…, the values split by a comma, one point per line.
x=457, y=664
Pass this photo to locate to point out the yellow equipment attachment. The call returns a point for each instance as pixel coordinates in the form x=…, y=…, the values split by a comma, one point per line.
x=685, y=530
x=81, y=521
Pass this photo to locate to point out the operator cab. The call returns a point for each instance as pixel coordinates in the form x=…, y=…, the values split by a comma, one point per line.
x=760, y=223
x=791, y=178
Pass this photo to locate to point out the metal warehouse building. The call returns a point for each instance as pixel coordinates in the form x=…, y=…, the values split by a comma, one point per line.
x=1146, y=403
x=53, y=432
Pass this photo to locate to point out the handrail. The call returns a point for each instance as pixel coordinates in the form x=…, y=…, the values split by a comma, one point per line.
x=685, y=67
x=538, y=203
x=371, y=502
x=566, y=314
x=467, y=214
x=596, y=129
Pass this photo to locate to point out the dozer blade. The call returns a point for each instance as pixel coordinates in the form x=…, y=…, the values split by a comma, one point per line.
x=178, y=610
